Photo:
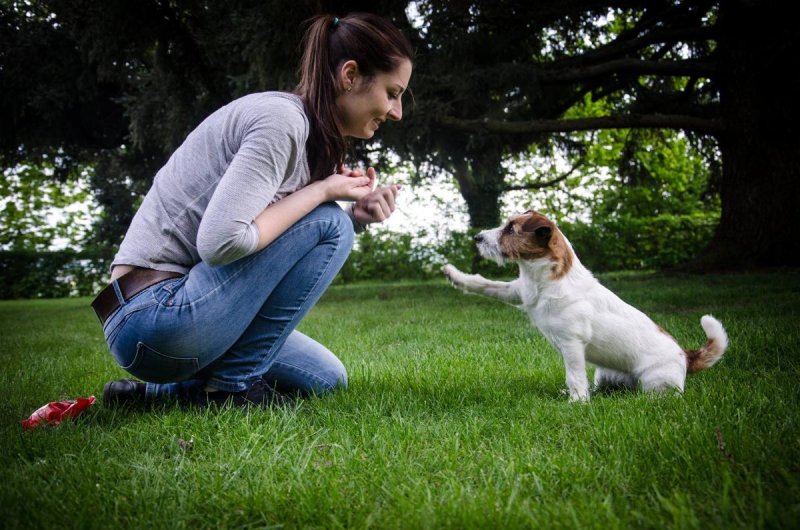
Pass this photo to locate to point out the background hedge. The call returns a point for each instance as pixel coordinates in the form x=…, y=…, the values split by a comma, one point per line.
x=619, y=244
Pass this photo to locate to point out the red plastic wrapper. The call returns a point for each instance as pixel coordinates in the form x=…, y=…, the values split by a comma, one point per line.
x=55, y=411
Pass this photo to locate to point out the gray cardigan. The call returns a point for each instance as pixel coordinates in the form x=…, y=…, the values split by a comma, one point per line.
x=203, y=202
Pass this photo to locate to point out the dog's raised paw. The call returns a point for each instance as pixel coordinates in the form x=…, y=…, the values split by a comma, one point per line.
x=452, y=274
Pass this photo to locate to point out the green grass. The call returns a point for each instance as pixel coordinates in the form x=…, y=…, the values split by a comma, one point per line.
x=454, y=419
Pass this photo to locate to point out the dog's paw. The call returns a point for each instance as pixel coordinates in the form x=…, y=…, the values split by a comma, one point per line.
x=447, y=269
x=579, y=398
x=575, y=396
x=452, y=274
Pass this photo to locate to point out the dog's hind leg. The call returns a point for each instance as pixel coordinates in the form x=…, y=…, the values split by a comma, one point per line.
x=607, y=379
x=664, y=379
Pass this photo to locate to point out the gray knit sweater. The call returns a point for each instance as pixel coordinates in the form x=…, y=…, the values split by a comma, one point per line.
x=203, y=202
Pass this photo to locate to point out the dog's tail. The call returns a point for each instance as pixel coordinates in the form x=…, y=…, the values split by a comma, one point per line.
x=709, y=354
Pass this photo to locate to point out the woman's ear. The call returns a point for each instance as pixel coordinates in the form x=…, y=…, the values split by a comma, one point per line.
x=348, y=74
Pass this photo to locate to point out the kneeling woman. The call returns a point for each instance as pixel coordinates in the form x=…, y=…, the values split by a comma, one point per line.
x=239, y=235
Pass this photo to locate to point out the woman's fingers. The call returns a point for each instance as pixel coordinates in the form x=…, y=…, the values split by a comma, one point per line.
x=347, y=172
x=391, y=193
x=381, y=203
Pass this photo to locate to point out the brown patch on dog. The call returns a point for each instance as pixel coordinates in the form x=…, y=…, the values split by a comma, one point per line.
x=701, y=359
x=562, y=255
x=531, y=236
x=667, y=333
x=696, y=360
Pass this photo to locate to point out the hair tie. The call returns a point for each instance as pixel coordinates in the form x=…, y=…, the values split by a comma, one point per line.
x=335, y=21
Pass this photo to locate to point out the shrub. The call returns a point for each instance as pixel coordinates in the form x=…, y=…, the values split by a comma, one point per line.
x=51, y=274
x=618, y=244
x=631, y=243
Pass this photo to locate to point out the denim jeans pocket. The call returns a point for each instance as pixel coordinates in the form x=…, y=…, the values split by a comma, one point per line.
x=156, y=367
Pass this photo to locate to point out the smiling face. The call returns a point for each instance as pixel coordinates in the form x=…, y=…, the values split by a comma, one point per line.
x=370, y=101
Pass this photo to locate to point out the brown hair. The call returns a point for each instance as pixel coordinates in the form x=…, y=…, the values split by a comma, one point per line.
x=373, y=42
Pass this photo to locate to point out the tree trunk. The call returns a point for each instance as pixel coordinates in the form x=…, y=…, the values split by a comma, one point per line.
x=483, y=206
x=759, y=92
x=480, y=182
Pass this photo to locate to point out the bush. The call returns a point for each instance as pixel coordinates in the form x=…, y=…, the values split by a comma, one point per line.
x=51, y=274
x=619, y=244
x=631, y=243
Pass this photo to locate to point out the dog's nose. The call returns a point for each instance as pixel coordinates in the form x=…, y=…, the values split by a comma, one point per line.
x=478, y=238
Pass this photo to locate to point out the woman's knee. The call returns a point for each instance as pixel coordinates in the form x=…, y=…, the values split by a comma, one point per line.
x=339, y=222
x=333, y=377
x=338, y=378
x=306, y=367
x=317, y=384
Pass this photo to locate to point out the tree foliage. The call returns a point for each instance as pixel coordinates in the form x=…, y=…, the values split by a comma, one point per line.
x=39, y=210
x=117, y=85
x=498, y=77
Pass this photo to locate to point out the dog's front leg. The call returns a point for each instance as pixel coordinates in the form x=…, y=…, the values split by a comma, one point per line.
x=573, y=353
x=475, y=283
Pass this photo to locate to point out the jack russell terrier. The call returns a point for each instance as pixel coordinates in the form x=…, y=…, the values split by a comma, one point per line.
x=583, y=320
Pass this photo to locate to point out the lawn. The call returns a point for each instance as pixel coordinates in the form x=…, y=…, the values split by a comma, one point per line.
x=454, y=418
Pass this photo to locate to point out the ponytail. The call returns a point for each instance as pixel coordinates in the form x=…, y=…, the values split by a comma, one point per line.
x=374, y=43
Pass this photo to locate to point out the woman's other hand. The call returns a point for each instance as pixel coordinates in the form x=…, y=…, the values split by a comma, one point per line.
x=378, y=205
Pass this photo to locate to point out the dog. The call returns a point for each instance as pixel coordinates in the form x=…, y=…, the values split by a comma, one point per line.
x=582, y=319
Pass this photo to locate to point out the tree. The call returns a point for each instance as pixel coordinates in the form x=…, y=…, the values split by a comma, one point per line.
x=119, y=84
x=495, y=77
x=38, y=210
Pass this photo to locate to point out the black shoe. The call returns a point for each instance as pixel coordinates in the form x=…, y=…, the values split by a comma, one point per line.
x=260, y=394
x=125, y=391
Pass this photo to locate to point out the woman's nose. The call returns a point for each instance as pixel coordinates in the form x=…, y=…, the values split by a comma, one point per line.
x=396, y=112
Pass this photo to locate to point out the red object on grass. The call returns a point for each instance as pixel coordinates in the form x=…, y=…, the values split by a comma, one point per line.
x=55, y=411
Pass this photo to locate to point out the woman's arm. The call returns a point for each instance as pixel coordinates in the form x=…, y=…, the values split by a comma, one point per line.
x=279, y=216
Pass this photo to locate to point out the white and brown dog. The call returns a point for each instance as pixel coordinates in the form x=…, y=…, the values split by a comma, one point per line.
x=585, y=321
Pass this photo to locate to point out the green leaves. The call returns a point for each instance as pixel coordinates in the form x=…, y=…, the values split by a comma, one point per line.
x=40, y=212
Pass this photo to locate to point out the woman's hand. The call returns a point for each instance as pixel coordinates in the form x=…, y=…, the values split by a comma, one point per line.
x=377, y=205
x=348, y=185
x=371, y=205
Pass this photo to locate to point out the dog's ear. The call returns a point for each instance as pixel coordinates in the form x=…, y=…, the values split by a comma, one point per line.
x=540, y=228
x=543, y=234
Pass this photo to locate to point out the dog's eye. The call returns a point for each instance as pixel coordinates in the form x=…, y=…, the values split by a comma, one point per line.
x=509, y=229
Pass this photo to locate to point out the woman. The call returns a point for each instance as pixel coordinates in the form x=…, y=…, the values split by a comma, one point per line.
x=239, y=236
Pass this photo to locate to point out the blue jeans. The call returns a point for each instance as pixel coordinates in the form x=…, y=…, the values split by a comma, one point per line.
x=226, y=327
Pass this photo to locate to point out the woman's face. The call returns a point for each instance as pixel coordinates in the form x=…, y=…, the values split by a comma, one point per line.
x=370, y=102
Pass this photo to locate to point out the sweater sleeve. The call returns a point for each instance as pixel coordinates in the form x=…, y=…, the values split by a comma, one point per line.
x=271, y=143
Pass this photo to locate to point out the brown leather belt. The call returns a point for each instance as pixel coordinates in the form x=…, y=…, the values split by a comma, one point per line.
x=130, y=284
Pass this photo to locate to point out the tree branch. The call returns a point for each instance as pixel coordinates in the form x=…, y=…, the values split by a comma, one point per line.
x=540, y=185
x=632, y=66
x=631, y=121
x=620, y=47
